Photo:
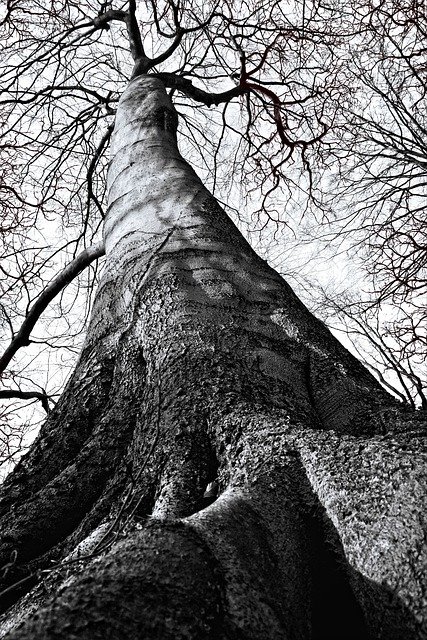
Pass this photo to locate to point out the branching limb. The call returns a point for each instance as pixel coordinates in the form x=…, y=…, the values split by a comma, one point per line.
x=90, y=172
x=185, y=86
x=26, y=395
x=66, y=276
x=135, y=40
x=102, y=20
x=179, y=34
x=249, y=85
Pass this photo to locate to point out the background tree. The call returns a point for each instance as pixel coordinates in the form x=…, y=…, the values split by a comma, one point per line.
x=372, y=190
x=376, y=344
x=199, y=363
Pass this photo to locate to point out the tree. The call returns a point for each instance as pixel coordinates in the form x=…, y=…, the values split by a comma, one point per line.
x=377, y=346
x=200, y=366
x=373, y=201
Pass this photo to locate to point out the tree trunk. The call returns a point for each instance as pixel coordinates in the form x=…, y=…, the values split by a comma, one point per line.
x=201, y=365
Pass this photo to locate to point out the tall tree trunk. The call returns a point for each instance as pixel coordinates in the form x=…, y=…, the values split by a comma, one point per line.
x=200, y=365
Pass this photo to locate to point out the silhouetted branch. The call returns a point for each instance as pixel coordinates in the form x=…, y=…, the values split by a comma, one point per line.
x=66, y=276
x=186, y=87
x=26, y=395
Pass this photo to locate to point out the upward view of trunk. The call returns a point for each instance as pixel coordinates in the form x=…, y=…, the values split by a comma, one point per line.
x=201, y=366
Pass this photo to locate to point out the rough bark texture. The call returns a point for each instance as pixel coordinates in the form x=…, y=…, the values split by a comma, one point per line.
x=201, y=363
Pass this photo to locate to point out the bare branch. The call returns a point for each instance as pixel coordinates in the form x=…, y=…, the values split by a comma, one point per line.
x=26, y=395
x=66, y=276
x=186, y=87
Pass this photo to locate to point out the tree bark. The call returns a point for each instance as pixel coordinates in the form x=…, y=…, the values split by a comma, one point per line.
x=201, y=364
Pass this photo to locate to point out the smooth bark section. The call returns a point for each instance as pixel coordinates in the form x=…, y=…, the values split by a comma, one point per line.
x=67, y=275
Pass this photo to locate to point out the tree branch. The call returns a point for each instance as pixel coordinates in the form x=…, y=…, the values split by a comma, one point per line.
x=134, y=34
x=27, y=395
x=89, y=177
x=101, y=21
x=66, y=276
x=200, y=95
x=166, y=54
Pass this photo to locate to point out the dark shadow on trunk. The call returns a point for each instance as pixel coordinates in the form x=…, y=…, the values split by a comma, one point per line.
x=347, y=604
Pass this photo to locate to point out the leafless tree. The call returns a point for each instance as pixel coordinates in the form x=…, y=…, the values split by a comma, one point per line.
x=61, y=86
x=374, y=339
x=200, y=367
x=373, y=192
